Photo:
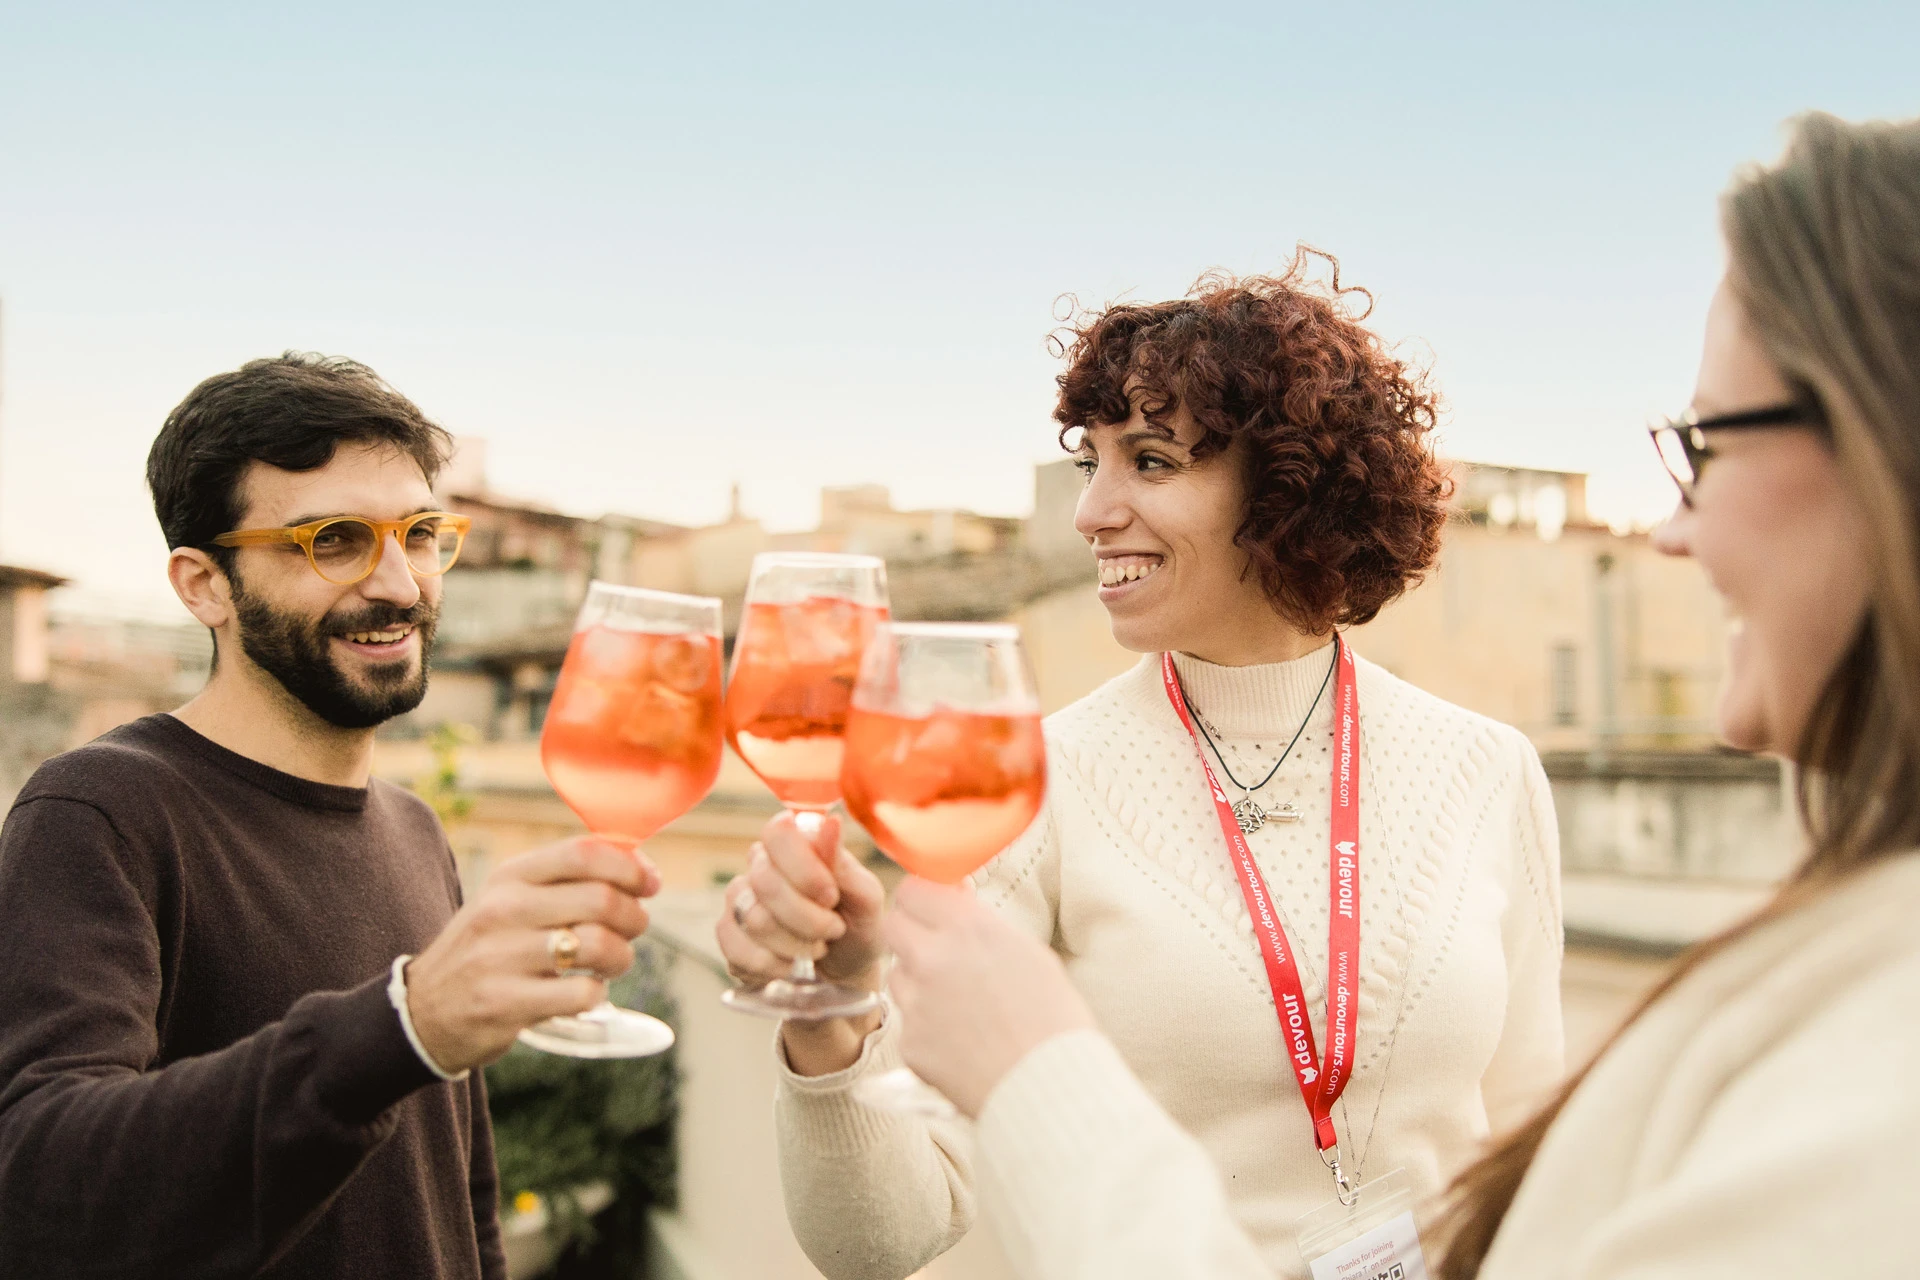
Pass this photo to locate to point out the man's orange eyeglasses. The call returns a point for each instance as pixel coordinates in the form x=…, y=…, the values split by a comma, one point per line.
x=345, y=549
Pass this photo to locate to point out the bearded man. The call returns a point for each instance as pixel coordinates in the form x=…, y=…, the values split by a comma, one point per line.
x=242, y=1004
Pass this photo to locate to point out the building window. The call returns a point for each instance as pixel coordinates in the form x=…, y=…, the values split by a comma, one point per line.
x=1566, y=700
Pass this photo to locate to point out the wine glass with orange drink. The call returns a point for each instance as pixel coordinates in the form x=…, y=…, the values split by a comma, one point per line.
x=945, y=766
x=807, y=621
x=632, y=740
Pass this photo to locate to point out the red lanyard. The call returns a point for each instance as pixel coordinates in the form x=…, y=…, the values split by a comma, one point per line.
x=1320, y=1088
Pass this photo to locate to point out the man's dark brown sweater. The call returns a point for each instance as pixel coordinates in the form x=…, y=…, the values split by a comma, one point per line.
x=200, y=1072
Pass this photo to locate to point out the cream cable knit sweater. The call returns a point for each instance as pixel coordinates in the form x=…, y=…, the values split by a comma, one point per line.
x=1128, y=878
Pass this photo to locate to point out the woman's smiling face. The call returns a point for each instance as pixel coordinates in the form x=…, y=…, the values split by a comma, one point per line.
x=1161, y=525
x=1780, y=539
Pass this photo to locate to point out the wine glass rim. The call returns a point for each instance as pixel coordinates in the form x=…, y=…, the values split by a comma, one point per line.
x=818, y=560
x=600, y=586
x=954, y=630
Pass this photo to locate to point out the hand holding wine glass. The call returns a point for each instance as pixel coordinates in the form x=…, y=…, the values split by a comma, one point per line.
x=792, y=902
x=777, y=911
x=945, y=766
x=487, y=976
x=632, y=741
x=807, y=622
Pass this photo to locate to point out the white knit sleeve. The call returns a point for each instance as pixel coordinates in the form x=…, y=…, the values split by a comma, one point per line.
x=1530, y=1059
x=1088, y=1178
x=876, y=1196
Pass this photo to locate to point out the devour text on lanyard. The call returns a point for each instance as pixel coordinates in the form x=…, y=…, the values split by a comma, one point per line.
x=1321, y=1085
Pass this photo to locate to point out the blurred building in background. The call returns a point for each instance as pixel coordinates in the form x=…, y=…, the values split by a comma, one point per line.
x=34, y=723
x=24, y=655
x=71, y=669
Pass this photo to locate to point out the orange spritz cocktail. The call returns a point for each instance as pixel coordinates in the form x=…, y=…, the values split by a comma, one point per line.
x=807, y=619
x=946, y=765
x=944, y=793
x=632, y=738
x=794, y=670
x=631, y=742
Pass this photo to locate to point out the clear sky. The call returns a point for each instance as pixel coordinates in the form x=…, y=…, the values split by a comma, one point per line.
x=647, y=251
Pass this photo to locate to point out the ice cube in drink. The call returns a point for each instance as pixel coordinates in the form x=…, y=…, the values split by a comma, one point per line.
x=793, y=677
x=632, y=736
x=943, y=794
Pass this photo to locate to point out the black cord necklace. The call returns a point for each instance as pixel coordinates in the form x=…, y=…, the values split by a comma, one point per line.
x=1247, y=811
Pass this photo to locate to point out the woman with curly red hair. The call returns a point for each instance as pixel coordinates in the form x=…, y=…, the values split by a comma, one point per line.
x=1308, y=914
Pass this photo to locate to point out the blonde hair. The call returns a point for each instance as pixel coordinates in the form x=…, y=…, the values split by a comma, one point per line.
x=1824, y=256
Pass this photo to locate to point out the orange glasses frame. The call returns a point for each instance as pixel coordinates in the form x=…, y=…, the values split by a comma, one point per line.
x=382, y=530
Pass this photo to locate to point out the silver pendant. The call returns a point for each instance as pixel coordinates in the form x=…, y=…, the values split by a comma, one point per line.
x=1251, y=817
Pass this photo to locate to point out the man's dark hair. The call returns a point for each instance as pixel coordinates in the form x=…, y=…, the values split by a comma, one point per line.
x=290, y=411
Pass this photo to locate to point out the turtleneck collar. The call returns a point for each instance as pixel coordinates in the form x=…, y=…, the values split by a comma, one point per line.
x=1267, y=700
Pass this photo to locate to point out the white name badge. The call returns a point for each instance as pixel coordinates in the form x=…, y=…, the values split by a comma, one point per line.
x=1372, y=1239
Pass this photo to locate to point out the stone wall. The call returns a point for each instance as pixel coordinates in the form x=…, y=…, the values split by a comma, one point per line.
x=1675, y=816
x=1659, y=849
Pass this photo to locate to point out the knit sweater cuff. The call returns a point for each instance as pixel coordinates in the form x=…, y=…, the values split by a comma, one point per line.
x=397, y=997
x=821, y=1113
x=1052, y=1121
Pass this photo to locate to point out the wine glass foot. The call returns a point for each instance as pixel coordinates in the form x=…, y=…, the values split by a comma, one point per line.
x=605, y=1031
x=802, y=1001
x=903, y=1093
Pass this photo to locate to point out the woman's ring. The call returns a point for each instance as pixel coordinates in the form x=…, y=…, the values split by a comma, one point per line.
x=743, y=904
x=563, y=948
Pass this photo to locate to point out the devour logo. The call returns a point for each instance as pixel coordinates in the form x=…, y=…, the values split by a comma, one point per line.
x=1296, y=1024
x=1344, y=888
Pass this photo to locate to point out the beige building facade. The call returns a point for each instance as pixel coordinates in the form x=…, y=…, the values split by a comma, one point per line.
x=25, y=654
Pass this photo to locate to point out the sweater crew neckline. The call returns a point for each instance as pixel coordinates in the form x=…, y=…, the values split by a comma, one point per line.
x=1265, y=701
x=296, y=790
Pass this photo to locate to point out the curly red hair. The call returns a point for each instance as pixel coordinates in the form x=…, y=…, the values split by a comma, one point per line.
x=1346, y=501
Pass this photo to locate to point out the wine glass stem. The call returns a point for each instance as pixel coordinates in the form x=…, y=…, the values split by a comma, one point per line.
x=809, y=822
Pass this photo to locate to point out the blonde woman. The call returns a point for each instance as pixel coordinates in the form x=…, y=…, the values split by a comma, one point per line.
x=1259, y=476
x=1760, y=1116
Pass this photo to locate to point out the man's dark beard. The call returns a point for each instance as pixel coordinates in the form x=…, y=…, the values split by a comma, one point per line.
x=295, y=651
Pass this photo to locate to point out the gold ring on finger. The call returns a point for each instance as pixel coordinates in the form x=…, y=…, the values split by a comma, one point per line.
x=563, y=948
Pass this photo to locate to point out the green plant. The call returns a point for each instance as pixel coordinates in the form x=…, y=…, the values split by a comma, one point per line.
x=441, y=789
x=561, y=1123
